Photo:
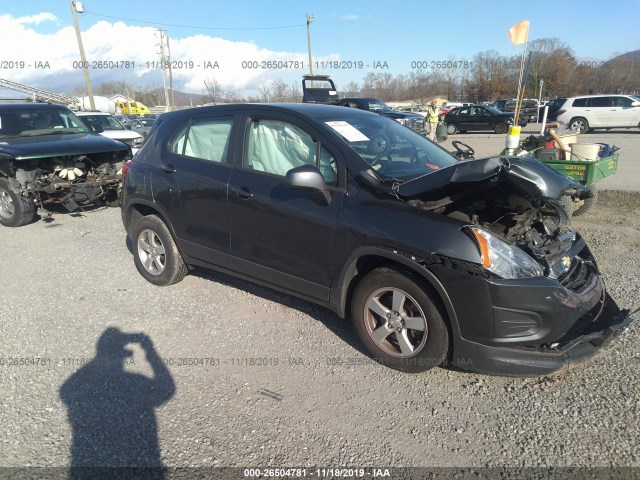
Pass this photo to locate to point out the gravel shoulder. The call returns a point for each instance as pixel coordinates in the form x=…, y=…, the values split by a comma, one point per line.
x=286, y=383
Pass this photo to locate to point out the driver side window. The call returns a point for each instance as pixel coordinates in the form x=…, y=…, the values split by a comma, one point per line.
x=275, y=147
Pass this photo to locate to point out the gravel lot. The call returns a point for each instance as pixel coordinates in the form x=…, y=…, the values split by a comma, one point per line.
x=284, y=383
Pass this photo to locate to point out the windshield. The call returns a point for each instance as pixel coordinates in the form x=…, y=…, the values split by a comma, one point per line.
x=393, y=151
x=107, y=122
x=22, y=122
x=377, y=105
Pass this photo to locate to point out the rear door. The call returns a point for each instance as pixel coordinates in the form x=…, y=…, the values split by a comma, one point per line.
x=280, y=235
x=599, y=111
x=191, y=184
x=463, y=118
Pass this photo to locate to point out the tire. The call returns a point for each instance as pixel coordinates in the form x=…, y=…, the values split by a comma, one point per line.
x=15, y=210
x=452, y=129
x=155, y=252
x=579, y=125
x=589, y=203
x=500, y=128
x=379, y=144
x=567, y=204
x=386, y=336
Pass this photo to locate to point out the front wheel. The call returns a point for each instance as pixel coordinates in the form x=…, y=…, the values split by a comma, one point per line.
x=588, y=203
x=451, y=128
x=15, y=210
x=155, y=252
x=398, y=322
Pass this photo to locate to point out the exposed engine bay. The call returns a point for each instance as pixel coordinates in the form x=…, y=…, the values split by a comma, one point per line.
x=72, y=180
x=540, y=228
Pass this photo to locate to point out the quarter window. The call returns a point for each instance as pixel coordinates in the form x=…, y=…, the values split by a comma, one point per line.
x=275, y=147
x=204, y=138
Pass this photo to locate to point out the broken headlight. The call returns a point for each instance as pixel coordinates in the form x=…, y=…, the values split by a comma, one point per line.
x=506, y=261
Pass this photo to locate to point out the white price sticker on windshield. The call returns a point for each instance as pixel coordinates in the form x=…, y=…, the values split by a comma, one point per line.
x=348, y=131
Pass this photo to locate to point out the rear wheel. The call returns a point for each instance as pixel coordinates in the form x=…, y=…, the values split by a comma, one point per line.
x=579, y=125
x=500, y=128
x=155, y=252
x=15, y=210
x=398, y=322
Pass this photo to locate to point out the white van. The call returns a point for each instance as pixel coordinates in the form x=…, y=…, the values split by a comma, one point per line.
x=588, y=112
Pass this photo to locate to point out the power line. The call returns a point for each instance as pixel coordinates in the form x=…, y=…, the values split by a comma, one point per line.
x=193, y=26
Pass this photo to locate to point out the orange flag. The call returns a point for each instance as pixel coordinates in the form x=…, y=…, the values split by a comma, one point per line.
x=519, y=32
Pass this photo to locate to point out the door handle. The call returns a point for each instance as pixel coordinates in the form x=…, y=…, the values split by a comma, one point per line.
x=167, y=167
x=243, y=192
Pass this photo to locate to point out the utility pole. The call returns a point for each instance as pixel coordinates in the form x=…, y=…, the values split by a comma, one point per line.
x=170, y=74
x=309, y=20
x=163, y=63
x=85, y=65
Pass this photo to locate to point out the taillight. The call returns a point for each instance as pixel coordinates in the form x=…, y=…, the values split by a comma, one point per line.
x=560, y=112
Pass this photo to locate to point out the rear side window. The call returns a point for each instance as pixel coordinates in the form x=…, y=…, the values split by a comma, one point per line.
x=601, y=101
x=580, y=102
x=204, y=138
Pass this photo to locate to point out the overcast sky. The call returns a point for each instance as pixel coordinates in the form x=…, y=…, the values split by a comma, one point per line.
x=240, y=34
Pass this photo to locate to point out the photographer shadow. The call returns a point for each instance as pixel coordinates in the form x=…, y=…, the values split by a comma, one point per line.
x=112, y=411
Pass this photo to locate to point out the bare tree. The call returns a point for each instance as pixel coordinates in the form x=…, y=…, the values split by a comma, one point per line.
x=214, y=90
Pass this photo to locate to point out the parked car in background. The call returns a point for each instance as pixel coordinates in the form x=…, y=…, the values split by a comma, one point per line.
x=47, y=156
x=448, y=106
x=479, y=118
x=431, y=258
x=110, y=127
x=553, y=108
x=412, y=120
x=589, y=112
x=123, y=119
x=141, y=125
x=528, y=108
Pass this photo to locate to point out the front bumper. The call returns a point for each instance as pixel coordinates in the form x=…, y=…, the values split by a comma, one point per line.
x=530, y=327
x=528, y=361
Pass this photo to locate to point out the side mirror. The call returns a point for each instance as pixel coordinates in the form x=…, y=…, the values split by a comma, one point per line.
x=96, y=128
x=308, y=177
x=128, y=126
x=635, y=104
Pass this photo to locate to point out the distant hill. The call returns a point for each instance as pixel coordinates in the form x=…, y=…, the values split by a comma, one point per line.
x=630, y=57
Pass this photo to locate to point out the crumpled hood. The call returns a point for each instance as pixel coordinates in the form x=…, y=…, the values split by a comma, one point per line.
x=528, y=176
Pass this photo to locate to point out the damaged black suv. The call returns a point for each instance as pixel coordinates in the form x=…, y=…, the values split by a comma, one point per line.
x=474, y=262
x=48, y=156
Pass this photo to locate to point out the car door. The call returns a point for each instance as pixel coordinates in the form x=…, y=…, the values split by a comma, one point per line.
x=284, y=236
x=191, y=184
x=599, y=111
x=623, y=113
x=463, y=118
x=482, y=118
